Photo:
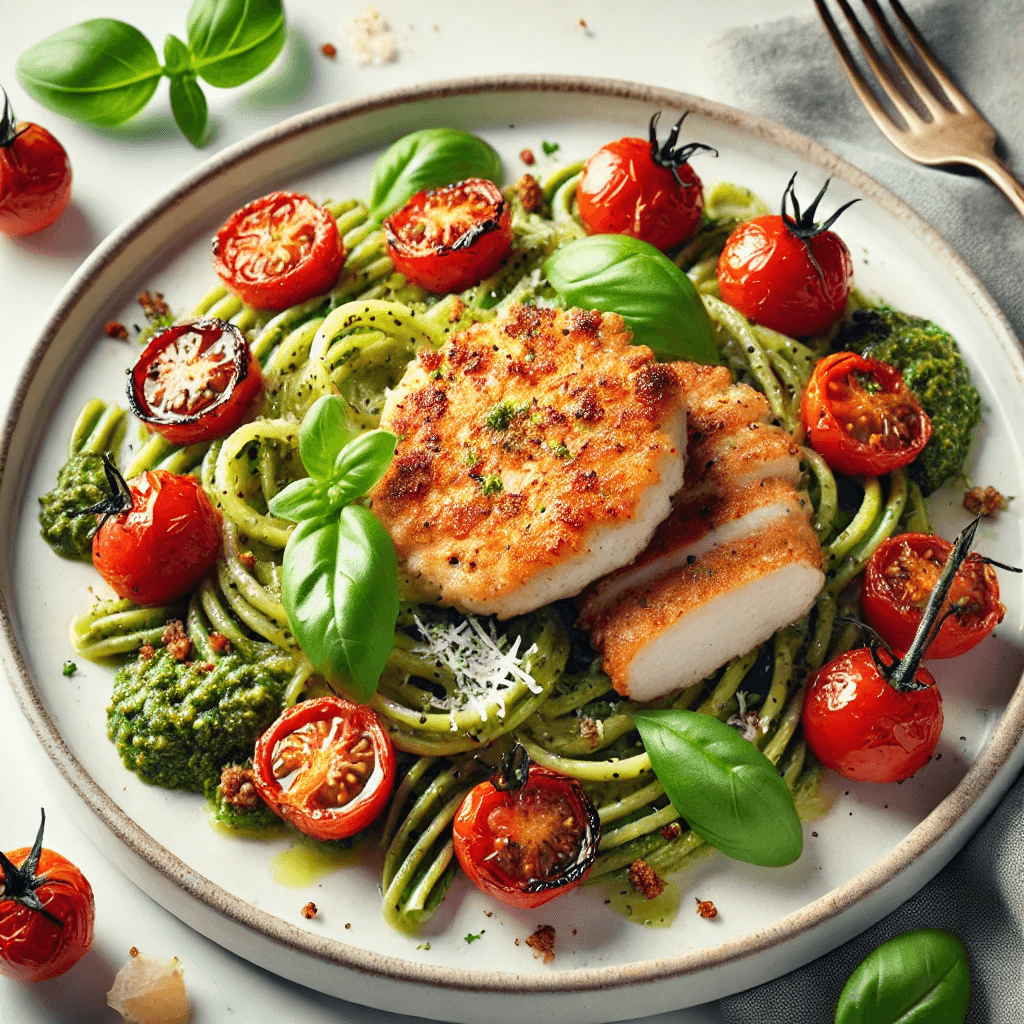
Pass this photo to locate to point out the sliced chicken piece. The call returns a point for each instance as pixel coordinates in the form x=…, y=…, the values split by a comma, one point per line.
x=681, y=627
x=754, y=452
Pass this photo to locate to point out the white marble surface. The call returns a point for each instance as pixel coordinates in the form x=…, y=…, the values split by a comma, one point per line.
x=117, y=172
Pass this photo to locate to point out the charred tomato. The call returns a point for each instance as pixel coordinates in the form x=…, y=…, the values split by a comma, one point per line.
x=640, y=188
x=787, y=272
x=327, y=766
x=159, y=535
x=46, y=913
x=861, y=417
x=526, y=845
x=195, y=381
x=279, y=250
x=899, y=579
x=447, y=239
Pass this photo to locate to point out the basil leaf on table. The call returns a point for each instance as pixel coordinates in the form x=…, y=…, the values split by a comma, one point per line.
x=234, y=40
x=425, y=159
x=101, y=71
x=918, y=977
x=729, y=793
x=324, y=432
x=339, y=576
x=188, y=104
x=620, y=274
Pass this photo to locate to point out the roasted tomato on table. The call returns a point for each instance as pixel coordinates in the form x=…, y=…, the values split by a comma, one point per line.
x=158, y=535
x=195, y=381
x=279, y=250
x=46, y=913
x=861, y=417
x=787, y=272
x=527, y=835
x=900, y=577
x=448, y=239
x=637, y=187
x=327, y=766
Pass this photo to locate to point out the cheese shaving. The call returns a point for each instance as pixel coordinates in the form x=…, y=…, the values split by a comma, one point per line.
x=150, y=991
x=371, y=39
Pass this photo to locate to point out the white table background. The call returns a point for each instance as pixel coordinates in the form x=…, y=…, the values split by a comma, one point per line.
x=116, y=173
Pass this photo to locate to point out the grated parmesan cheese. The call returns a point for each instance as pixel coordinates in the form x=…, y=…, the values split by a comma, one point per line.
x=485, y=665
x=749, y=721
x=371, y=39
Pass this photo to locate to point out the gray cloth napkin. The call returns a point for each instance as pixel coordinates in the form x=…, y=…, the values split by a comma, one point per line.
x=788, y=71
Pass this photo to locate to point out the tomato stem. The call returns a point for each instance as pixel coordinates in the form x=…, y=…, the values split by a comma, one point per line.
x=802, y=224
x=514, y=771
x=673, y=159
x=119, y=500
x=20, y=883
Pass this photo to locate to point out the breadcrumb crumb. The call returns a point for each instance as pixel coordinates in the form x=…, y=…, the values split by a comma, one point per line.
x=542, y=942
x=309, y=911
x=984, y=501
x=526, y=155
x=531, y=195
x=176, y=640
x=115, y=329
x=645, y=879
x=706, y=909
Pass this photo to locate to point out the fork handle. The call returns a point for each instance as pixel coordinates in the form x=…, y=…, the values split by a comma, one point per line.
x=1002, y=177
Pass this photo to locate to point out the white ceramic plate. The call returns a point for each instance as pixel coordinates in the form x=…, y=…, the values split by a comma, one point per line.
x=875, y=847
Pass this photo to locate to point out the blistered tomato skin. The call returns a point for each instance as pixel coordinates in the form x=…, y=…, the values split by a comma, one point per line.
x=767, y=273
x=163, y=546
x=35, y=178
x=860, y=726
x=624, y=192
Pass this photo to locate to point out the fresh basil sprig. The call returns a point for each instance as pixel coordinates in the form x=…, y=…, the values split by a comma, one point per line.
x=729, y=793
x=339, y=581
x=428, y=158
x=620, y=274
x=915, y=977
x=105, y=71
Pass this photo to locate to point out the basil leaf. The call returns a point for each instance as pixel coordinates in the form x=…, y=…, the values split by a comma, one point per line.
x=189, y=107
x=326, y=429
x=727, y=790
x=340, y=588
x=914, y=978
x=301, y=499
x=428, y=158
x=100, y=71
x=620, y=274
x=234, y=40
x=360, y=465
x=177, y=59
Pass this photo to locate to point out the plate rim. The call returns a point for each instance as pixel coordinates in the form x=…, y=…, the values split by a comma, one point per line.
x=333, y=952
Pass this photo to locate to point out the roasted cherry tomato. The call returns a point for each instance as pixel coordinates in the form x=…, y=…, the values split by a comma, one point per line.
x=787, y=273
x=35, y=176
x=899, y=579
x=525, y=846
x=860, y=726
x=327, y=766
x=159, y=535
x=195, y=381
x=861, y=417
x=447, y=239
x=46, y=913
x=279, y=250
x=634, y=187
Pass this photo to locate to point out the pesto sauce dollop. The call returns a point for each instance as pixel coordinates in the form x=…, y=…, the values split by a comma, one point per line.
x=929, y=360
x=81, y=482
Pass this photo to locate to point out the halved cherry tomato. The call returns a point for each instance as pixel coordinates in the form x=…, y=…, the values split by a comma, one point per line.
x=861, y=417
x=633, y=187
x=279, y=250
x=526, y=846
x=860, y=726
x=327, y=766
x=899, y=579
x=787, y=273
x=35, y=176
x=163, y=541
x=195, y=381
x=47, y=913
x=447, y=239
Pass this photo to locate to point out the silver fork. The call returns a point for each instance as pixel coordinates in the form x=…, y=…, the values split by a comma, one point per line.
x=954, y=130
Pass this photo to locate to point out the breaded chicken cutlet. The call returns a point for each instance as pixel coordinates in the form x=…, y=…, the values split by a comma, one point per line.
x=536, y=453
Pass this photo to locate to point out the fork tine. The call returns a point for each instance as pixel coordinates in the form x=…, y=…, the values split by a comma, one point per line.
x=958, y=100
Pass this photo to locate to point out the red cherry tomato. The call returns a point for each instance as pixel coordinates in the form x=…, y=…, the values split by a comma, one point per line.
x=327, y=766
x=447, y=239
x=899, y=579
x=861, y=417
x=279, y=250
x=195, y=381
x=163, y=545
x=860, y=726
x=528, y=845
x=46, y=913
x=35, y=176
x=631, y=187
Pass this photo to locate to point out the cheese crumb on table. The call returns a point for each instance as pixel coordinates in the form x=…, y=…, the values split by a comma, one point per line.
x=150, y=991
x=370, y=38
